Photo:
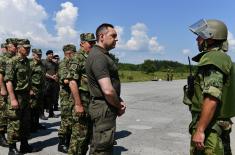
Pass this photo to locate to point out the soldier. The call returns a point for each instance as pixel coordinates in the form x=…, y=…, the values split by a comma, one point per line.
x=18, y=86
x=81, y=124
x=66, y=102
x=104, y=87
x=51, y=82
x=209, y=115
x=36, y=93
x=11, y=50
x=56, y=59
x=3, y=48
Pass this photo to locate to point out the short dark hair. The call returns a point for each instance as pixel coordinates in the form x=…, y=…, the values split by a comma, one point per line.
x=101, y=28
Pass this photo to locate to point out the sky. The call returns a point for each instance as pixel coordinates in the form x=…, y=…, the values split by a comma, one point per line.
x=147, y=29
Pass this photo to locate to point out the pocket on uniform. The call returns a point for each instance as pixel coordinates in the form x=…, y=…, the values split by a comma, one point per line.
x=103, y=140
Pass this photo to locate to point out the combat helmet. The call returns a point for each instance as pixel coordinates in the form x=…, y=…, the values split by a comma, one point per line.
x=210, y=29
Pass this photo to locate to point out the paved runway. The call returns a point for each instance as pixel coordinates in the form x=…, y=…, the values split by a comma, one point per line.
x=155, y=123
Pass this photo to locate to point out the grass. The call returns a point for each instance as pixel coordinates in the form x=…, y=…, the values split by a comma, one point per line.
x=134, y=76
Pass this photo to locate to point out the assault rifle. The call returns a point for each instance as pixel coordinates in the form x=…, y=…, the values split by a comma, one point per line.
x=190, y=80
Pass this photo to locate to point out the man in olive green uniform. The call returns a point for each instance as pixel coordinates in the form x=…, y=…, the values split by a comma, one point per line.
x=36, y=93
x=51, y=69
x=81, y=124
x=105, y=89
x=205, y=97
x=18, y=86
x=11, y=50
x=66, y=101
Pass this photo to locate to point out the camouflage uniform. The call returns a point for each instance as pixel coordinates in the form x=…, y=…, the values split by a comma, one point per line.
x=37, y=78
x=81, y=127
x=3, y=99
x=212, y=79
x=66, y=102
x=4, y=58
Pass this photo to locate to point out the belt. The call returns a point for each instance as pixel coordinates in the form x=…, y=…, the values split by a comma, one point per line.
x=97, y=98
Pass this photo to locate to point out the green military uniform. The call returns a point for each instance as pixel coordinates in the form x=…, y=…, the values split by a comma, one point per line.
x=18, y=72
x=81, y=127
x=100, y=65
x=3, y=99
x=212, y=77
x=210, y=80
x=38, y=79
x=66, y=102
x=4, y=58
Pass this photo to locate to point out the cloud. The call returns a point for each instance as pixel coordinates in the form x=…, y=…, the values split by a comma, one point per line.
x=25, y=19
x=186, y=51
x=231, y=40
x=139, y=41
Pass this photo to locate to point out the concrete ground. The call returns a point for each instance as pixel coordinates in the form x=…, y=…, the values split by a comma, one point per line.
x=155, y=122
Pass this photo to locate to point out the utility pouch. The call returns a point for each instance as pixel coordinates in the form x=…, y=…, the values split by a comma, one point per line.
x=187, y=98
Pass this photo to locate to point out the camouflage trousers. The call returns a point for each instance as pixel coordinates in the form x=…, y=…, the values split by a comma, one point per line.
x=36, y=106
x=81, y=129
x=18, y=119
x=103, y=117
x=66, y=104
x=3, y=117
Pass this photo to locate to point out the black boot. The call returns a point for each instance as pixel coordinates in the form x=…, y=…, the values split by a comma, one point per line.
x=13, y=150
x=62, y=145
x=25, y=147
x=3, y=141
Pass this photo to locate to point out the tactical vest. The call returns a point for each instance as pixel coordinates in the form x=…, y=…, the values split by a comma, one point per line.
x=223, y=62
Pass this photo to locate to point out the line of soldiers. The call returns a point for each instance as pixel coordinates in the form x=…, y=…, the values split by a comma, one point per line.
x=21, y=82
x=23, y=94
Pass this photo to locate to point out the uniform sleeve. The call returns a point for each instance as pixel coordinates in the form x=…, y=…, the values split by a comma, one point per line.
x=2, y=66
x=63, y=71
x=10, y=71
x=100, y=67
x=74, y=69
x=213, y=81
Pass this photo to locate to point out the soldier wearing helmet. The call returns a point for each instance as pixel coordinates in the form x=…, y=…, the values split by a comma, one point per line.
x=206, y=100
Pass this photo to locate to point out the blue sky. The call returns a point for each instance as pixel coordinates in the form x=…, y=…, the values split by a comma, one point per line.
x=148, y=29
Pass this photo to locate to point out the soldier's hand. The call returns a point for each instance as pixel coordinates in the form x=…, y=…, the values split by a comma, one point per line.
x=31, y=93
x=198, y=139
x=14, y=104
x=66, y=81
x=122, y=110
x=3, y=92
x=79, y=110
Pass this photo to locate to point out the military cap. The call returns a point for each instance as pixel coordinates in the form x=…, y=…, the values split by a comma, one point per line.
x=3, y=45
x=87, y=37
x=49, y=52
x=69, y=47
x=56, y=56
x=37, y=51
x=24, y=42
x=11, y=41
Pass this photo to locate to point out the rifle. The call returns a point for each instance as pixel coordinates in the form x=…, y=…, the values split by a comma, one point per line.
x=190, y=80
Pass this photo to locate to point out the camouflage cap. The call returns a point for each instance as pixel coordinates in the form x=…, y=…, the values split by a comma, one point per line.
x=87, y=37
x=24, y=42
x=37, y=51
x=11, y=41
x=3, y=45
x=69, y=47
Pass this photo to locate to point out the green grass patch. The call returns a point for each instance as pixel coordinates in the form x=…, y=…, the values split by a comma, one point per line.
x=135, y=76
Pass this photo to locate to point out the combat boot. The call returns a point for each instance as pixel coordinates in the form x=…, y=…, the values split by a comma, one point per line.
x=62, y=147
x=13, y=150
x=25, y=147
x=3, y=141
